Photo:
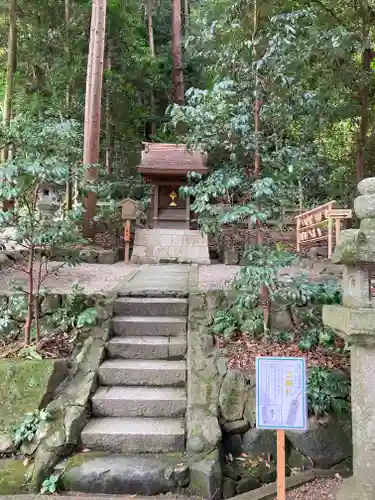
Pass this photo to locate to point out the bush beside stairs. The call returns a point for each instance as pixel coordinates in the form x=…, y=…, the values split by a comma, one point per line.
x=140, y=403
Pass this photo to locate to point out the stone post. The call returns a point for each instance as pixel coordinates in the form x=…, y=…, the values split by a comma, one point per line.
x=355, y=322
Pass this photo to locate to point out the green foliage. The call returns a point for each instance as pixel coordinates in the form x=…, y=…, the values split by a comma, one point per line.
x=305, y=65
x=74, y=311
x=26, y=430
x=50, y=485
x=225, y=323
x=301, y=297
x=328, y=392
x=263, y=268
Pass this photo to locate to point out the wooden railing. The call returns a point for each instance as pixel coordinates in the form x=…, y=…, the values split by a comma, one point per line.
x=321, y=223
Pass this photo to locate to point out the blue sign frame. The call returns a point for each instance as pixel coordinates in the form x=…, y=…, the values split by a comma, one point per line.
x=303, y=393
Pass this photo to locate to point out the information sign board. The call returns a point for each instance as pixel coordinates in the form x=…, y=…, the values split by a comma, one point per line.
x=281, y=396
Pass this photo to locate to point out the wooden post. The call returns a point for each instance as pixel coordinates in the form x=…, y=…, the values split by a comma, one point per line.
x=280, y=464
x=298, y=230
x=155, y=207
x=330, y=239
x=337, y=230
x=188, y=212
x=127, y=241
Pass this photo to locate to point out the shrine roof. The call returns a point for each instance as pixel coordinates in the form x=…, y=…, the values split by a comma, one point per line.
x=171, y=159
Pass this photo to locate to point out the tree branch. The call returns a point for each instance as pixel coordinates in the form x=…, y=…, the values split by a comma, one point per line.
x=329, y=11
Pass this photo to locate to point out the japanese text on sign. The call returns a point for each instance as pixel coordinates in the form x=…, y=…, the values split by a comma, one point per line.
x=281, y=393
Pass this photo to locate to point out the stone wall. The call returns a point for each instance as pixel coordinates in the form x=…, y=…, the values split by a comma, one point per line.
x=152, y=246
x=221, y=415
x=68, y=405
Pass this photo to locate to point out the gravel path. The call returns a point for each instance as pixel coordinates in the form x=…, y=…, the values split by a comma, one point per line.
x=320, y=489
x=103, y=277
x=216, y=276
x=93, y=278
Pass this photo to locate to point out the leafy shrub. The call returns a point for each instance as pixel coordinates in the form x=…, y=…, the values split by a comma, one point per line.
x=327, y=391
x=74, y=311
x=225, y=323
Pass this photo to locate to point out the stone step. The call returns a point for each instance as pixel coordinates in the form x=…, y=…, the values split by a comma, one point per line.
x=147, y=347
x=151, y=306
x=148, y=325
x=142, y=372
x=139, y=402
x=123, y=474
x=134, y=435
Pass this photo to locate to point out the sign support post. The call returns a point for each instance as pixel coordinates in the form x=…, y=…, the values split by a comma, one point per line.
x=129, y=212
x=127, y=241
x=280, y=456
x=281, y=403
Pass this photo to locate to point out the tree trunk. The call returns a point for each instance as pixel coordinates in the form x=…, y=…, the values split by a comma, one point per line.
x=177, y=71
x=30, y=296
x=11, y=69
x=364, y=89
x=68, y=99
x=364, y=117
x=264, y=293
x=186, y=17
x=108, y=116
x=94, y=85
x=151, y=43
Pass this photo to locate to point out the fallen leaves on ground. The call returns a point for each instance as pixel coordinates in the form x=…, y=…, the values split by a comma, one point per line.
x=319, y=489
x=56, y=346
x=242, y=352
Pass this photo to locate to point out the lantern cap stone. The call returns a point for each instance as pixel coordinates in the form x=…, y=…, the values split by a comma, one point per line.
x=367, y=186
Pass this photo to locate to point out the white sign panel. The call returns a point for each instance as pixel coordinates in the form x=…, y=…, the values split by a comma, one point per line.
x=281, y=396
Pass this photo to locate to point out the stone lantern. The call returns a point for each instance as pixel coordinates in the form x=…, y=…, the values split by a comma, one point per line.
x=48, y=199
x=354, y=320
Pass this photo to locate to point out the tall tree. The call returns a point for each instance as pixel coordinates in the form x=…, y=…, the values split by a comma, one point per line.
x=69, y=184
x=178, y=94
x=94, y=84
x=11, y=69
x=151, y=42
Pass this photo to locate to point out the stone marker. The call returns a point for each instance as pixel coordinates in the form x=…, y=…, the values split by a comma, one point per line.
x=355, y=321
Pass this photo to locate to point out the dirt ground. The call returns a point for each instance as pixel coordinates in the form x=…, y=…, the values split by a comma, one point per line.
x=104, y=278
x=94, y=278
x=320, y=489
x=216, y=276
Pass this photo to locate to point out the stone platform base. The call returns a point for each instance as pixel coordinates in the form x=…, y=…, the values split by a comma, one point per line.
x=153, y=246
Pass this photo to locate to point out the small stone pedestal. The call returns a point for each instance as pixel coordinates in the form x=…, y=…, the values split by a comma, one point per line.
x=355, y=322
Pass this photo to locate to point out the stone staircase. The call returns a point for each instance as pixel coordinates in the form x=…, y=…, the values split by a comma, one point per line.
x=140, y=404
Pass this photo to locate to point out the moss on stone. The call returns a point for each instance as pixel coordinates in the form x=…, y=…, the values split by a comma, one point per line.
x=24, y=385
x=81, y=458
x=12, y=477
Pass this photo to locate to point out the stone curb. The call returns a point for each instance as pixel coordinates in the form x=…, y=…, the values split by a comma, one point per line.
x=193, y=280
x=268, y=492
x=121, y=284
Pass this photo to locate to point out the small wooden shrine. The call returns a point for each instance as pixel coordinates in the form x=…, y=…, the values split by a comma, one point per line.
x=166, y=166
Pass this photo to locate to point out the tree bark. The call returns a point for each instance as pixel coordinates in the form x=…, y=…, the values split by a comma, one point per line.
x=151, y=43
x=11, y=69
x=186, y=17
x=94, y=85
x=68, y=99
x=364, y=116
x=364, y=90
x=178, y=93
x=264, y=293
x=108, y=116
